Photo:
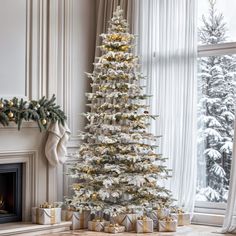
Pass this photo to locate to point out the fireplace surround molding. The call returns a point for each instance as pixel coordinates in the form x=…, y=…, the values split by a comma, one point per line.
x=30, y=177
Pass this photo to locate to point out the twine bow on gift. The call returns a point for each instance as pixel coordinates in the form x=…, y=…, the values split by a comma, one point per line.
x=98, y=219
x=46, y=205
x=168, y=219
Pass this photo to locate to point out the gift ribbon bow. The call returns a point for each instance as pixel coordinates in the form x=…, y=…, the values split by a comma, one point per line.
x=98, y=219
x=168, y=219
x=46, y=205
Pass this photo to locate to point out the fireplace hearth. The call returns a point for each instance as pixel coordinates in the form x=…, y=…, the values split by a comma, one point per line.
x=10, y=192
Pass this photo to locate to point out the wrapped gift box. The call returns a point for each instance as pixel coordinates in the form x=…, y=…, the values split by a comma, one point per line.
x=167, y=225
x=79, y=219
x=181, y=217
x=114, y=229
x=144, y=225
x=158, y=214
x=46, y=216
x=97, y=225
x=127, y=220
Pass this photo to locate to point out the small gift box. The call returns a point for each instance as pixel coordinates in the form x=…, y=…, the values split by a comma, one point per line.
x=79, y=219
x=157, y=214
x=182, y=217
x=144, y=225
x=46, y=214
x=168, y=224
x=127, y=220
x=114, y=229
x=97, y=224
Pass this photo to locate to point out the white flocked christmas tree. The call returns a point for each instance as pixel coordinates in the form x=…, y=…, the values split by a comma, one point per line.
x=118, y=167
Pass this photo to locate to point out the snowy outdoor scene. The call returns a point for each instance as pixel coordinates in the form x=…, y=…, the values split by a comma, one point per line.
x=216, y=102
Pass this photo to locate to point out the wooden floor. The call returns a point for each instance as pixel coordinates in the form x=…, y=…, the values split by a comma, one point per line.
x=193, y=230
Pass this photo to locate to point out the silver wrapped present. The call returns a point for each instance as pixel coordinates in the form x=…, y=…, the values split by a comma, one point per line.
x=144, y=225
x=114, y=229
x=167, y=225
x=97, y=225
x=181, y=217
x=46, y=216
x=127, y=220
x=158, y=214
x=79, y=219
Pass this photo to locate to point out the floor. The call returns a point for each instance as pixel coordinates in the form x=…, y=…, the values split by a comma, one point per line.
x=193, y=230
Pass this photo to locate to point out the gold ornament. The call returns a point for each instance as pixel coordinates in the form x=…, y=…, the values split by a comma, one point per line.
x=10, y=114
x=44, y=122
x=94, y=196
x=11, y=103
x=1, y=105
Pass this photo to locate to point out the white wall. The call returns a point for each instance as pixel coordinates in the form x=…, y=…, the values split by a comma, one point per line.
x=53, y=49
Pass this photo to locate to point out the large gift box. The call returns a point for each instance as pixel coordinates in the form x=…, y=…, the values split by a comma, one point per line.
x=157, y=214
x=181, y=217
x=167, y=224
x=79, y=219
x=128, y=220
x=46, y=216
x=97, y=225
x=114, y=229
x=144, y=225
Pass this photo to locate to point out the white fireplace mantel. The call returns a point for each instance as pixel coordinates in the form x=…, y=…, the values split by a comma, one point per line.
x=27, y=147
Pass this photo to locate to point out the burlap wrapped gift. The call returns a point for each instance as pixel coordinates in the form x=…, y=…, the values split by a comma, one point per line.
x=79, y=219
x=46, y=216
x=144, y=225
x=127, y=220
x=97, y=225
x=157, y=214
x=114, y=229
x=167, y=224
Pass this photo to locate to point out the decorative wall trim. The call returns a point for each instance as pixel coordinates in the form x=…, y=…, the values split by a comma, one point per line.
x=30, y=177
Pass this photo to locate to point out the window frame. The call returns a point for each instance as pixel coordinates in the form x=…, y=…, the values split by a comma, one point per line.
x=220, y=49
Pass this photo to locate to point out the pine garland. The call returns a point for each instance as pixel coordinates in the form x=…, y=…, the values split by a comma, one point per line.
x=43, y=111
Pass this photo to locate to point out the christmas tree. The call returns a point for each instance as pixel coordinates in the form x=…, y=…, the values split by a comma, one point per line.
x=217, y=84
x=118, y=167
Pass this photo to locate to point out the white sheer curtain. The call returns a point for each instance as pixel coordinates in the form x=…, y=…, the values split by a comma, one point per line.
x=168, y=48
x=229, y=225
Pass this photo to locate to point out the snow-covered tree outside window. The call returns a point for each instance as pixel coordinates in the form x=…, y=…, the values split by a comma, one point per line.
x=216, y=103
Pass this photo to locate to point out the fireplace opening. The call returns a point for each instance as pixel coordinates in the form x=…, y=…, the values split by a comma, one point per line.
x=10, y=192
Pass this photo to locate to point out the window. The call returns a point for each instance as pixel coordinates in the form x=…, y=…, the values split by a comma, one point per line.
x=216, y=99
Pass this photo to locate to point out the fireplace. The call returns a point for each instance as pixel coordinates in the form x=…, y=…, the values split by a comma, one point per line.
x=10, y=192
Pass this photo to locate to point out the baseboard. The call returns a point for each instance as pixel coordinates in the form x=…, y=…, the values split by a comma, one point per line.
x=208, y=219
x=29, y=229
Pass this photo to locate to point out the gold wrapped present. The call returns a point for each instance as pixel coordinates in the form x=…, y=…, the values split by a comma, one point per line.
x=157, y=214
x=127, y=220
x=46, y=216
x=167, y=224
x=79, y=219
x=114, y=229
x=97, y=224
x=144, y=225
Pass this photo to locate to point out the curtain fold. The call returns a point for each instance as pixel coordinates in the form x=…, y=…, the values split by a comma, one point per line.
x=168, y=48
x=229, y=225
x=105, y=9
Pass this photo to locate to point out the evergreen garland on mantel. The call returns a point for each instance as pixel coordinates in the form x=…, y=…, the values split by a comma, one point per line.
x=42, y=111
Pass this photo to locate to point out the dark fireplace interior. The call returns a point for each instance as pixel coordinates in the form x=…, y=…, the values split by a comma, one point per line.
x=10, y=192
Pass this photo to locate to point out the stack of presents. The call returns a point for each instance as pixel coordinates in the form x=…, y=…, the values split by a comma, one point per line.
x=160, y=219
